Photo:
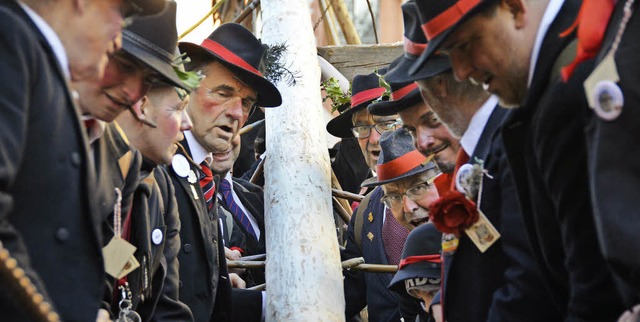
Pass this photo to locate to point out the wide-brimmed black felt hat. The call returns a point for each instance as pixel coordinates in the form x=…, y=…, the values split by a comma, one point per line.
x=414, y=45
x=421, y=261
x=239, y=50
x=439, y=19
x=399, y=159
x=364, y=90
x=403, y=95
x=153, y=40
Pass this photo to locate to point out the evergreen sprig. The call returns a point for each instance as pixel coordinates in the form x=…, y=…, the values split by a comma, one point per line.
x=273, y=67
x=338, y=98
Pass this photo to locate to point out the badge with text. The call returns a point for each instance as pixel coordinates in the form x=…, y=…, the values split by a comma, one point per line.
x=482, y=233
x=449, y=243
x=603, y=94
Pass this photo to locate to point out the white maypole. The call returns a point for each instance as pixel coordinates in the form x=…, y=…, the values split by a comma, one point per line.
x=304, y=276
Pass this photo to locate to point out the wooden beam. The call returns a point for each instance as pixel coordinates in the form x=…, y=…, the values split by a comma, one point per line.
x=353, y=60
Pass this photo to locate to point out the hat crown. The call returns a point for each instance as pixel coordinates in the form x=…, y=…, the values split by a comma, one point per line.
x=240, y=41
x=424, y=240
x=411, y=21
x=157, y=34
x=362, y=83
x=397, y=85
x=394, y=145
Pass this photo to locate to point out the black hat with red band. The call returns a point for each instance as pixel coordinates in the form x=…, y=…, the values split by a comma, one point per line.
x=399, y=159
x=439, y=19
x=365, y=89
x=240, y=51
x=403, y=95
x=414, y=45
x=421, y=259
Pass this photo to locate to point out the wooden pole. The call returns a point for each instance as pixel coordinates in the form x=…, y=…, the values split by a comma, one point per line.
x=346, y=23
x=302, y=244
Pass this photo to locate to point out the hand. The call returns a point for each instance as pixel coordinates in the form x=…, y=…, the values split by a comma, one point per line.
x=632, y=315
x=103, y=316
x=232, y=255
x=236, y=281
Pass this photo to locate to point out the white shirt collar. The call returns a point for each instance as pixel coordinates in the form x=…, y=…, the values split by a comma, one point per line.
x=471, y=136
x=198, y=152
x=96, y=130
x=549, y=16
x=51, y=37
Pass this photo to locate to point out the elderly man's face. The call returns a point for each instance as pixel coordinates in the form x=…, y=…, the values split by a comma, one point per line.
x=494, y=50
x=222, y=167
x=411, y=213
x=91, y=35
x=164, y=107
x=218, y=109
x=370, y=145
x=430, y=136
x=126, y=80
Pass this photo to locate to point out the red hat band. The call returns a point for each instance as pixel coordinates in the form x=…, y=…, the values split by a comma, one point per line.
x=229, y=56
x=367, y=95
x=422, y=258
x=399, y=166
x=413, y=48
x=447, y=18
x=402, y=92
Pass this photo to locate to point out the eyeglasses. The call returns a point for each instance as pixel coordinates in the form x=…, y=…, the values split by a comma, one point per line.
x=415, y=193
x=364, y=131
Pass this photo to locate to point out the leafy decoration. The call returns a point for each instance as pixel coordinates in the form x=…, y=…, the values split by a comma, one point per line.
x=190, y=79
x=338, y=98
x=273, y=68
x=387, y=88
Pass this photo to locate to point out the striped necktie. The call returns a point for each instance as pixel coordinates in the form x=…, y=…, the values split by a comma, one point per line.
x=206, y=183
x=232, y=206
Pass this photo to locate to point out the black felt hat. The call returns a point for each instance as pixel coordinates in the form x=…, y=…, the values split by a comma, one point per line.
x=365, y=89
x=399, y=159
x=439, y=19
x=414, y=45
x=421, y=260
x=153, y=40
x=145, y=7
x=240, y=51
x=403, y=95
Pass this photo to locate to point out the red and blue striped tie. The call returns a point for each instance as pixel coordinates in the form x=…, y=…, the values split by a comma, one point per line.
x=206, y=183
x=225, y=189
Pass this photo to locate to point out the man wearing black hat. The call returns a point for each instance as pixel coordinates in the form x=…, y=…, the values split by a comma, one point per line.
x=48, y=219
x=506, y=287
x=419, y=271
x=229, y=59
x=544, y=144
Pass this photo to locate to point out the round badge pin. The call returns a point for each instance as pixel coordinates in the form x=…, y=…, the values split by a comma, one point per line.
x=192, y=177
x=608, y=100
x=180, y=165
x=156, y=236
x=463, y=177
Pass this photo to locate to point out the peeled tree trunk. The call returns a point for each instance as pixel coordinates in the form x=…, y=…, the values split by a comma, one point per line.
x=304, y=275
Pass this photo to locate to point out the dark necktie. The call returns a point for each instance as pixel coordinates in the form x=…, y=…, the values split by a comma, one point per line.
x=393, y=237
x=206, y=183
x=232, y=206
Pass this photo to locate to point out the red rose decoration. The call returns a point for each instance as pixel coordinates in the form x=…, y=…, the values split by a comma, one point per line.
x=453, y=212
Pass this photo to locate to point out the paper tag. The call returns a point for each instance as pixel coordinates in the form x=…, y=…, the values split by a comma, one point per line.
x=605, y=71
x=116, y=255
x=131, y=265
x=483, y=234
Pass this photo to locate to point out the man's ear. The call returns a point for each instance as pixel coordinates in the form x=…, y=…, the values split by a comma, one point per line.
x=518, y=9
x=139, y=109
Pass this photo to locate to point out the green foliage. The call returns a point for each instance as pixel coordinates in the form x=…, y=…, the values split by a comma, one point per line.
x=190, y=79
x=338, y=98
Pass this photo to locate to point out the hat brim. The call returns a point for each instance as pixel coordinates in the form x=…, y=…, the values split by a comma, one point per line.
x=164, y=68
x=268, y=94
x=436, y=65
x=340, y=126
x=437, y=41
x=416, y=270
x=393, y=107
x=423, y=167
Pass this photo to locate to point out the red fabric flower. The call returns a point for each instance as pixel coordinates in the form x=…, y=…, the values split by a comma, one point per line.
x=453, y=212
